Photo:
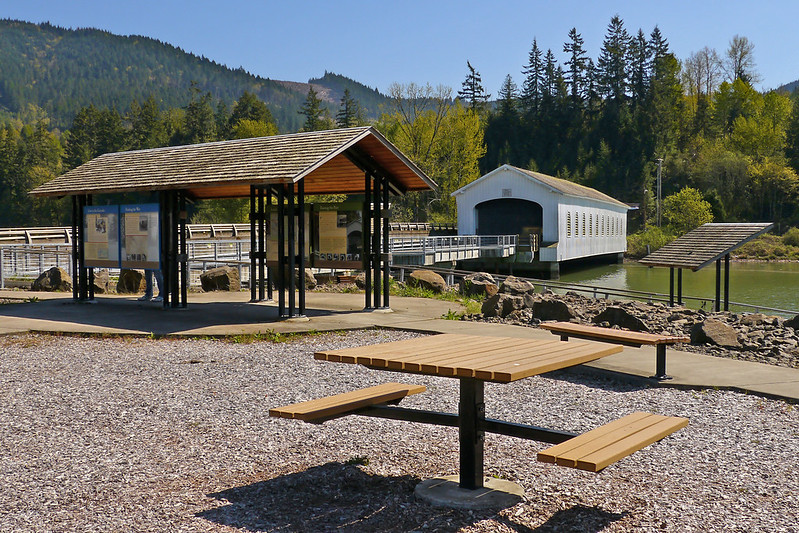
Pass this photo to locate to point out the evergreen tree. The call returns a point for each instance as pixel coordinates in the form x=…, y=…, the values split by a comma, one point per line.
x=146, y=126
x=576, y=66
x=612, y=67
x=315, y=114
x=349, y=113
x=532, y=88
x=472, y=90
x=200, y=122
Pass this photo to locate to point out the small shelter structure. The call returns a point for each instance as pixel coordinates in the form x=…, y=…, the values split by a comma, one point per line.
x=275, y=173
x=702, y=246
x=568, y=220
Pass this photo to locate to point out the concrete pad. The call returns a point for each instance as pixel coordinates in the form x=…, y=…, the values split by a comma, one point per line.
x=445, y=492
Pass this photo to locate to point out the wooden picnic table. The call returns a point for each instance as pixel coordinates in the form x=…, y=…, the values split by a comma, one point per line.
x=474, y=360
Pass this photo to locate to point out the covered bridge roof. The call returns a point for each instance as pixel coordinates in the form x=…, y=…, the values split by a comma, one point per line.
x=704, y=245
x=226, y=169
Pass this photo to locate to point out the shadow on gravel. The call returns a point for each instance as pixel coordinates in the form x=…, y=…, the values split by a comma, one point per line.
x=598, y=380
x=577, y=518
x=341, y=497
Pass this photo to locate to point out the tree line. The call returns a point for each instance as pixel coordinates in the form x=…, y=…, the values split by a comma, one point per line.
x=731, y=151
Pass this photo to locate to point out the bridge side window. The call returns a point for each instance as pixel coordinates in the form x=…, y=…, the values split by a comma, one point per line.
x=568, y=224
x=583, y=225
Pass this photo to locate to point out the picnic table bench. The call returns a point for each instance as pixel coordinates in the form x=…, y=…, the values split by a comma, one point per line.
x=619, y=336
x=474, y=360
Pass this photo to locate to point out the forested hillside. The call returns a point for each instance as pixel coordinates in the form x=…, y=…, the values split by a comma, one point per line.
x=61, y=71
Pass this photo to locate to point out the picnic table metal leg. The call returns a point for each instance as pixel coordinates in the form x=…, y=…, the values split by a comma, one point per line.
x=660, y=364
x=471, y=417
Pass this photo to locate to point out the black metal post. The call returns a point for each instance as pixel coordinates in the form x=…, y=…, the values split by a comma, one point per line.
x=265, y=228
x=173, y=220
x=90, y=270
x=671, y=286
x=75, y=237
x=376, y=249
x=471, y=416
x=727, y=282
x=184, y=250
x=81, y=279
x=717, y=306
x=367, y=240
x=163, y=226
x=292, y=249
x=253, y=248
x=679, y=286
x=261, y=245
x=386, y=236
x=281, y=251
x=660, y=363
x=301, y=246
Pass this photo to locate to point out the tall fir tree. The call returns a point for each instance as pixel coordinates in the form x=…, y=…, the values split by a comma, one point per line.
x=349, y=111
x=532, y=87
x=576, y=65
x=313, y=112
x=472, y=90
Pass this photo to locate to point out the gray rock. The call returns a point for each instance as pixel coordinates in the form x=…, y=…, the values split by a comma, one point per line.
x=101, y=281
x=310, y=280
x=792, y=323
x=713, y=331
x=427, y=279
x=222, y=278
x=515, y=286
x=501, y=305
x=616, y=316
x=52, y=280
x=480, y=284
x=360, y=281
x=548, y=309
x=130, y=281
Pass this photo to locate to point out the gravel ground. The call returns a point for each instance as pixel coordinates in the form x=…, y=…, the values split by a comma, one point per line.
x=173, y=435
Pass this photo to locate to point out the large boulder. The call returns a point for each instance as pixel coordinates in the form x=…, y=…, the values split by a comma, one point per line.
x=427, y=279
x=310, y=279
x=549, y=309
x=716, y=332
x=480, y=284
x=501, y=305
x=222, y=278
x=54, y=279
x=516, y=287
x=130, y=281
x=616, y=316
x=792, y=323
x=101, y=281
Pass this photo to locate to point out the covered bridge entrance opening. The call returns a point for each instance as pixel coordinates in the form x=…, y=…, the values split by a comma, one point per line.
x=509, y=216
x=275, y=173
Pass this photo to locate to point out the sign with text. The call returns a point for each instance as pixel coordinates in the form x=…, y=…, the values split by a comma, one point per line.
x=101, y=236
x=139, y=236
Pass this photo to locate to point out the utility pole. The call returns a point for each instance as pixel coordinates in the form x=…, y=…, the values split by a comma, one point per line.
x=660, y=165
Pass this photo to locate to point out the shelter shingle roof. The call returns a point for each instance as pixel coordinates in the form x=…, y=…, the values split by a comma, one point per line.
x=704, y=245
x=228, y=168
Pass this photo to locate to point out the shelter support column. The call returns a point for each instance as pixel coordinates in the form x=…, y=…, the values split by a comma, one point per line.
x=253, y=250
x=281, y=252
x=717, y=303
x=727, y=282
x=183, y=258
x=386, y=252
x=261, y=222
x=376, y=249
x=679, y=286
x=671, y=286
x=366, y=231
x=301, y=246
x=76, y=221
x=291, y=250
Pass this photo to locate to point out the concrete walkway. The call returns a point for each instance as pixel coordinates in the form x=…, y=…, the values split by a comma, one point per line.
x=226, y=314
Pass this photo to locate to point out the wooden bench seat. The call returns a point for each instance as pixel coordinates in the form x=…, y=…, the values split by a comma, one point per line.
x=606, y=444
x=323, y=409
x=619, y=336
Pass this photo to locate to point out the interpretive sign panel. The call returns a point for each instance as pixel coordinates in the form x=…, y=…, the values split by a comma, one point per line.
x=101, y=236
x=140, y=243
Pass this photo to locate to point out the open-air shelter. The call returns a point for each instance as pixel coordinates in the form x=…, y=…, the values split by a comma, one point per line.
x=274, y=173
x=702, y=246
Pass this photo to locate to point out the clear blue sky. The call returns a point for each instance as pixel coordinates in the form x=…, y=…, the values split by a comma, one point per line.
x=380, y=42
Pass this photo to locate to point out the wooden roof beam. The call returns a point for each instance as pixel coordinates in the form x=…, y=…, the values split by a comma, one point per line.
x=366, y=163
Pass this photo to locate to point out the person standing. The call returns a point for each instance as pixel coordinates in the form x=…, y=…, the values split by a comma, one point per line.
x=149, y=273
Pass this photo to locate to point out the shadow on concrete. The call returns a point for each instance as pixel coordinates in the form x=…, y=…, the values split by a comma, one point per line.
x=342, y=497
x=131, y=315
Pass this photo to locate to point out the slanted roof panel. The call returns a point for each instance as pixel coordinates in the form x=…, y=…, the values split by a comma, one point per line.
x=227, y=168
x=572, y=189
x=704, y=245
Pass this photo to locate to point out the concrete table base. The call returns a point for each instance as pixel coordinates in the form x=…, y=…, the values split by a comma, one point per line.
x=445, y=492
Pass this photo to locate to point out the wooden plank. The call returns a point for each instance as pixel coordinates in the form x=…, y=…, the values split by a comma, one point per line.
x=580, y=355
x=348, y=401
x=612, y=334
x=599, y=459
x=551, y=454
x=473, y=368
x=454, y=348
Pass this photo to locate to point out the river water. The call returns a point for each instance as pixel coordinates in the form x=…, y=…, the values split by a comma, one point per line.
x=774, y=285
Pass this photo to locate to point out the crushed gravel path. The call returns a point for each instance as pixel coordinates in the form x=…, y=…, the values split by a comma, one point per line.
x=126, y=434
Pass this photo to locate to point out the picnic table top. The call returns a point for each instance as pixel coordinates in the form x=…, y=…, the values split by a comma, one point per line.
x=498, y=359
